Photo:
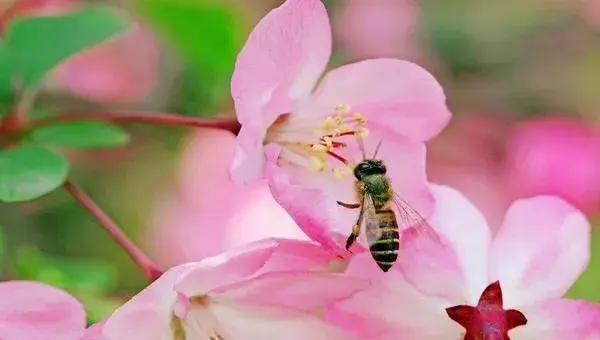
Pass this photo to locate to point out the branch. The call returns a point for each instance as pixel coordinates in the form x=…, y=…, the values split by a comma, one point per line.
x=149, y=268
x=141, y=118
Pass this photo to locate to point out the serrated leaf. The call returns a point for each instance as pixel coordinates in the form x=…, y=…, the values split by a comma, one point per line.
x=39, y=43
x=85, y=135
x=28, y=172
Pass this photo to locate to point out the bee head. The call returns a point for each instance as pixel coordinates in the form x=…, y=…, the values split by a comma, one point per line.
x=369, y=167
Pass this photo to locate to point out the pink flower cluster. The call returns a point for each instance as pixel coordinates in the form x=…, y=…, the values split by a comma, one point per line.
x=302, y=143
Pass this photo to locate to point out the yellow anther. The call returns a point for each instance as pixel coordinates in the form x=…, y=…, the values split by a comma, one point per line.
x=338, y=120
x=359, y=118
x=362, y=132
x=329, y=124
x=319, y=148
x=342, y=109
x=316, y=164
x=328, y=142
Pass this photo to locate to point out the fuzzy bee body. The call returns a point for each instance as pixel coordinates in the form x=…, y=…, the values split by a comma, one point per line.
x=384, y=216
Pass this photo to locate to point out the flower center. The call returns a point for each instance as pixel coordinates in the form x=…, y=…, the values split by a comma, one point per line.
x=488, y=320
x=198, y=322
x=318, y=145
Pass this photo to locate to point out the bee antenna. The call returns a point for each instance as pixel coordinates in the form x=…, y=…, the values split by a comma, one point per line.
x=361, y=146
x=377, y=148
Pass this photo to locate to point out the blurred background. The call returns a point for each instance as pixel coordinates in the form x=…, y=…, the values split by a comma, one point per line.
x=522, y=79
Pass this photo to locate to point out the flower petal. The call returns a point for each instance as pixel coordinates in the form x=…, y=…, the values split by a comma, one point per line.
x=560, y=319
x=148, y=314
x=249, y=158
x=390, y=92
x=36, y=311
x=227, y=268
x=282, y=59
x=298, y=290
x=456, y=269
x=542, y=247
x=393, y=306
x=250, y=322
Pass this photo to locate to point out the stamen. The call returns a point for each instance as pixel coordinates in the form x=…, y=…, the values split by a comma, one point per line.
x=342, y=109
x=362, y=132
x=338, y=157
x=319, y=148
x=360, y=119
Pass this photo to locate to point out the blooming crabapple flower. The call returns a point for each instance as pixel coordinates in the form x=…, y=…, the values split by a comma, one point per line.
x=315, y=133
x=35, y=311
x=207, y=213
x=508, y=287
x=556, y=156
x=243, y=294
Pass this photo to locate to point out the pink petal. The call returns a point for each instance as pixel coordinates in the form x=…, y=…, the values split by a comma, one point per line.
x=560, y=319
x=312, y=209
x=542, y=247
x=94, y=332
x=298, y=290
x=393, y=306
x=455, y=269
x=225, y=269
x=250, y=322
x=148, y=314
x=282, y=59
x=249, y=158
x=390, y=92
x=36, y=311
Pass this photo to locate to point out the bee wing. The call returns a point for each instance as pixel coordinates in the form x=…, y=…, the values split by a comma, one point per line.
x=370, y=222
x=412, y=223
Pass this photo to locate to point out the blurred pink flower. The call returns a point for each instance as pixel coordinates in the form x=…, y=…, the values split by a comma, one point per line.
x=313, y=134
x=255, y=292
x=512, y=283
x=556, y=156
x=207, y=213
x=122, y=69
x=370, y=29
x=35, y=311
x=469, y=155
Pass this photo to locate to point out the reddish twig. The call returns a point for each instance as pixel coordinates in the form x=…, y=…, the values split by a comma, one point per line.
x=149, y=268
x=141, y=118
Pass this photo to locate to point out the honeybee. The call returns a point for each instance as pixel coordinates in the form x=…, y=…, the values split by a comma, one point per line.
x=379, y=208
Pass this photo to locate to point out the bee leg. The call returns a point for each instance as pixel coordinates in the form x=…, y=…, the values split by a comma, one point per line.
x=353, y=236
x=349, y=205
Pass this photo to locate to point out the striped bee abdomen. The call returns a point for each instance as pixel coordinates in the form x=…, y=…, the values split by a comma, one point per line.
x=384, y=239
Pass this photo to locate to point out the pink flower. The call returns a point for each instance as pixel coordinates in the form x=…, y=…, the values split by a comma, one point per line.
x=268, y=289
x=556, y=156
x=508, y=286
x=35, y=311
x=379, y=28
x=313, y=134
x=207, y=214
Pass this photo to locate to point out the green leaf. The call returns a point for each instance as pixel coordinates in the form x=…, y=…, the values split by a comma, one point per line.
x=5, y=74
x=39, y=43
x=28, y=172
x=80, y=135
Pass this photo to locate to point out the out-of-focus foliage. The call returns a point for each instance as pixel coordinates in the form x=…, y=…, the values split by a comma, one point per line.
x=28, y=172
x=86, y=135
x=37, y=44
